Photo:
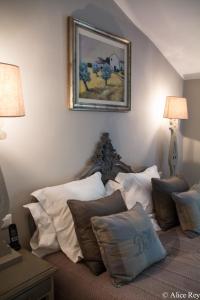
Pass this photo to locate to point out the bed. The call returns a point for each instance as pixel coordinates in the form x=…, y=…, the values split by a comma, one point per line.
x=178, y=276
x=179, y=273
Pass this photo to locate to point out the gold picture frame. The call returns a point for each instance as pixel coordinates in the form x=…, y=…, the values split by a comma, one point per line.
x=99, y=69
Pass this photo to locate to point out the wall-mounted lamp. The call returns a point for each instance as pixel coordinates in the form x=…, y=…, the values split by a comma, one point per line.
x=175, y=109
x=11, y=105
x=11, y=99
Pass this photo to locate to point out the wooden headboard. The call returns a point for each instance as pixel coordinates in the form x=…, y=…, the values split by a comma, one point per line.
x=105, y=160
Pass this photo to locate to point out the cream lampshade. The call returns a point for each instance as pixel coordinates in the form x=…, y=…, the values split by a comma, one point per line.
x=175, y=109
x=11, y=99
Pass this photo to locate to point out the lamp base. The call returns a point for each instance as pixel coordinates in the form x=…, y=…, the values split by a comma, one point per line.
x=173, y=149
x=9, y=258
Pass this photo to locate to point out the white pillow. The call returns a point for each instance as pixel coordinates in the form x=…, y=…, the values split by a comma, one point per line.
x=54, y=201
x=111, y=186
x=136, y=187
x=154, y=222
x=44, y=239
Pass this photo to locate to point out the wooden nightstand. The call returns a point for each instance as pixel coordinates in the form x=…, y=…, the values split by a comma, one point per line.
x=29, y=279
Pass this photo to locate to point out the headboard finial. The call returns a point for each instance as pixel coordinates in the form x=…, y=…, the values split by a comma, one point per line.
x=106, y=160
x=104, y=150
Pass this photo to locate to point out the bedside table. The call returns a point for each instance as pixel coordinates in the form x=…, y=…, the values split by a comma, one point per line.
x=29, y=279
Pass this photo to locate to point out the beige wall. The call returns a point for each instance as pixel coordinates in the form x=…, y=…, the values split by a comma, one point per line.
x=51, y=144
x=191, y=132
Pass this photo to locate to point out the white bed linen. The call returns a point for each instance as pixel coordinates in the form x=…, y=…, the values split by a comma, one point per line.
x=54, y=202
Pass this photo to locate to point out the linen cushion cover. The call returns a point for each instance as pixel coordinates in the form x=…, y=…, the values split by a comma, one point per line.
x=188, y=209
x=150, y=171
x=128, y=243
x=111, y=186
x=44, y=240
x=54, y=202
x=137, y=187
x=82, y=212
x=163, y=203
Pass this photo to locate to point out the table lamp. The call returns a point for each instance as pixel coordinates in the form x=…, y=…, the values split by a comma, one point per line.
x=175, y=109
x=11, y=105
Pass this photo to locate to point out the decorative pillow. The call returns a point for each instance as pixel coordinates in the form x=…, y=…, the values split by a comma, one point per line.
x=163, y=203
x=112, y=186
x=188, y=209
x=44, y=239
x=137, y=187
x=128, y=243
x=82, y=213
x=53, y=200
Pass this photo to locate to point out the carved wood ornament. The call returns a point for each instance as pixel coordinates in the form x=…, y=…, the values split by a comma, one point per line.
x=105, y=160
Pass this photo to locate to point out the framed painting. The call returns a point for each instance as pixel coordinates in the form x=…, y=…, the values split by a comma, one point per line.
x=99, y=69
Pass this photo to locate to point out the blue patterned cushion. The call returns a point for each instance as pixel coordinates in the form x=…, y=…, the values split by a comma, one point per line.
x=128, y=243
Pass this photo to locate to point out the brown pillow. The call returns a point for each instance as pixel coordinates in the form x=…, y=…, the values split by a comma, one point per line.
x=164, y=206
x=82, y=212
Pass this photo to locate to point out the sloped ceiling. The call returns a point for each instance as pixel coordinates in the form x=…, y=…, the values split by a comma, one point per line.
x=173, y=26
